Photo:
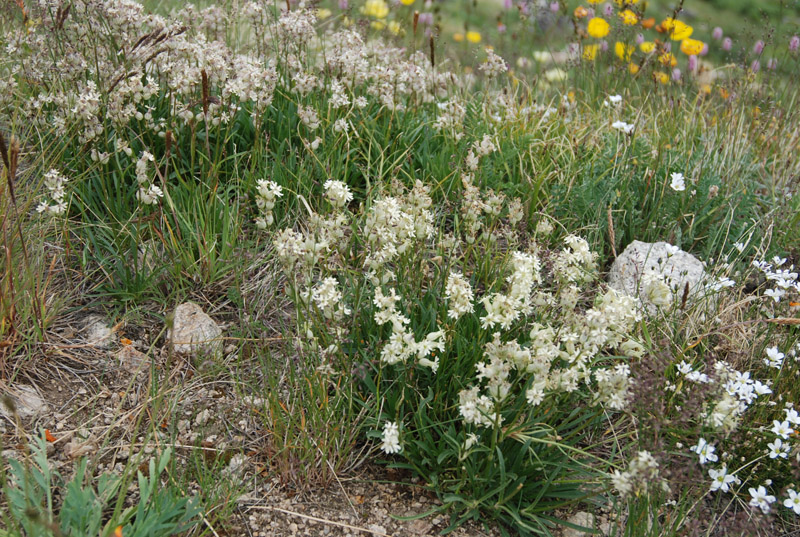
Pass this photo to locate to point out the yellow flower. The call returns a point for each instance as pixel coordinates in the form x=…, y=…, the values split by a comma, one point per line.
x=458, y=38
x=662, y=77
x=633, y=68
x=629, y=17
x=621, y=3
x=378, y=25
x=691, y=47
x=598, y=28
x=647, y=47
x=678, y=30
x=594, y=2
x=375, y=8
x=407, y=2
x=668, y=59
x=474, y=37
x=705, y=89
x=323, y=13
x=590, y=52
x=623, y=51
x=394, y=27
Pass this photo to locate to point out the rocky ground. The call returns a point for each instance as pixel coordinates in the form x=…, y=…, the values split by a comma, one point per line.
x=98, y=390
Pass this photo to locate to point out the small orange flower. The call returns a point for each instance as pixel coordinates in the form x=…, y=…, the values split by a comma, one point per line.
x=580, y=12
x=49, y=436
x=125, y=341
x=118, y=531
x=648, y=23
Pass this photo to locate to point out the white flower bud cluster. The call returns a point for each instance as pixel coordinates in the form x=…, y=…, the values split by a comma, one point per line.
x=54, y=181
x=267, y=193
x=328, y=298
x=252, y=81
x=641, y=475
x=503, y=309
x=458, y=293
x=293, y=247
x=308, y=116
x=305, y=83
x=337, y=193
x=575, y=263
x=451, y=116
x=148, y=193
x=393, y=225
x=494, y=64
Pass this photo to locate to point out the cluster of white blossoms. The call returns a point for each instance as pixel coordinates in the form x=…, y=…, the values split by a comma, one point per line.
x=337, y=193
x=391, y=438
x=613, y=386
x=295, y=248
x=328, y=298
x=309, y=117
x=54, y=181
x=477, y=409
x=733, y=393
x=504, y=309
x=142, y=60
x=641, y=475
x=576, y=263
x=267, y=193
x=394, y=224
x=785, y=279
x=402, y=345
x=148, y=193
x=251, y=81
x=458, y=293
x=494, y=64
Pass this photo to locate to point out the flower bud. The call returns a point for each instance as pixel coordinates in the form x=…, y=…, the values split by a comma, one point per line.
x=727, y=43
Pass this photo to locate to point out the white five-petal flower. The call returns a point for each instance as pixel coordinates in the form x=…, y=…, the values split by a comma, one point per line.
x=793, y=501
x=721, y=479
x=677, y=184
x=705, y=451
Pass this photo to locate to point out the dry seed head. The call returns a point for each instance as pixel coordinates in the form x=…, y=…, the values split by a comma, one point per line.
x=4, y=153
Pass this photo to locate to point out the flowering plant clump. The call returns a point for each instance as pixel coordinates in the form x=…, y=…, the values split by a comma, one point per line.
x=440, y=232
x=485, y=358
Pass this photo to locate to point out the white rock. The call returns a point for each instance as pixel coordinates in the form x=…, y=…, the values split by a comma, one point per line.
x=581, y=518
x=27, y=401
x=194, y=332
x=97, y=332
x=640, y=268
